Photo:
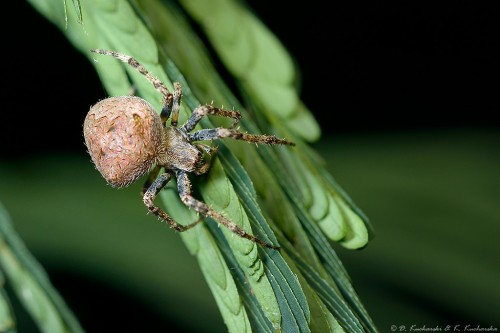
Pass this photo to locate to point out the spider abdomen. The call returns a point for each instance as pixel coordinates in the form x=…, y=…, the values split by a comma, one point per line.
x=123, y=136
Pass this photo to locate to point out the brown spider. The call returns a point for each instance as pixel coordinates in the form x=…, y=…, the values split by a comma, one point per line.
x=125, y=138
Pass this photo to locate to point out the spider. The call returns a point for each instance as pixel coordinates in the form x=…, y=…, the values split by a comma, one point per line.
x=126, y=137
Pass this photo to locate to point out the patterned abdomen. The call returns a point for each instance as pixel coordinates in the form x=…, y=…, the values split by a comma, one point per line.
x=123, y=135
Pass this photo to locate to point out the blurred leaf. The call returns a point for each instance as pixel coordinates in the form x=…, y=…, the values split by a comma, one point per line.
x=78, y=11
x=7, y=319
x=257, y=60
x=31, y=284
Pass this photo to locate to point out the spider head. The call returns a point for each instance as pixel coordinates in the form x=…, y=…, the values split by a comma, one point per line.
x=123, y=137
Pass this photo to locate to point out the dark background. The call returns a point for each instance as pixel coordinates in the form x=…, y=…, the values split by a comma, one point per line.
x=375, y=67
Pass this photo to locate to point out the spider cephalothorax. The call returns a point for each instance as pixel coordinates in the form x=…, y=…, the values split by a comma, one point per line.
x=126, y=137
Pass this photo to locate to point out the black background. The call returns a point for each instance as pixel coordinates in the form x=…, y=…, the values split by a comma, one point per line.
x=364, y=68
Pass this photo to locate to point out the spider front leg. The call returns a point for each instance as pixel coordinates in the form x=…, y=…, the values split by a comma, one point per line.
x=168, y=98
x=184, y=188
x=211, y=110
x=220, y=132
x=150, y=196
x=174, y=107
x=210, y=151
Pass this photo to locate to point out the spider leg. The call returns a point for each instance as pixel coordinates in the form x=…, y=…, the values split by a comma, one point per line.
x=167, y=95
x=172, y=108
x=220, y=132
x=176, y=105
x=150, y=196
x=210, y=151
x=184, y=188
x=207, y=149
x=151, y=178
x=205, y=110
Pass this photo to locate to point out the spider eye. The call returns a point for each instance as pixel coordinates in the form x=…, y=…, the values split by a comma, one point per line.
x=123, y=135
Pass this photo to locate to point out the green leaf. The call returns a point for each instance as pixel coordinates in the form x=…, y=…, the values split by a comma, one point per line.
x=257, y=60
x=330, y=207
x=215, y=270
x=293, y=303
x=258, y=317
x=322, y=319
x=7, y=320
x=31, y=284
x=219, y=194
x=78, y=11
x=337, y=272
x=333, y=301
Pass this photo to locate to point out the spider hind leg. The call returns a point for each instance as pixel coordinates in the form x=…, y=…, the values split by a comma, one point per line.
x=149, y=197
x=184, y=188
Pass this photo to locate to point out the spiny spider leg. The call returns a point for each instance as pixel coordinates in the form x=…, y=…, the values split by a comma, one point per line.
x=166, y=110
x=150, y=196
x=151, y=178
x=173, y=108
x=167, y=95
x=220, y=132
x=176, y=106
x=205, y=110
x=210, y=151
x=184, y=188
